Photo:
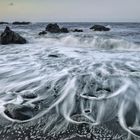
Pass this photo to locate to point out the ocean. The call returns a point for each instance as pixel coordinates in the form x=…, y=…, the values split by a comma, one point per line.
x=72, y=86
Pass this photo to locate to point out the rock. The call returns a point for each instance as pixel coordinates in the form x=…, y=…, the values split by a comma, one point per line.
x=19, y=112
x=87, y=111
x=10, y=37
x=4, y=23
x=21, y=23
x=53, y=55
x=78, y=30
x=28, y=95
x=54, y=28
x=64, y=30
x=100, y=28
x=42, y=33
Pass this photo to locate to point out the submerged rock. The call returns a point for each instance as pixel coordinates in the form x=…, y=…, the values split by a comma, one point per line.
x=19, y=112
x=28, y=95
x=78, y=30
x=99, y=28
x=53, y=55
x=10, y=37
x=21, y=23
x=54, y=28
x=42, y=33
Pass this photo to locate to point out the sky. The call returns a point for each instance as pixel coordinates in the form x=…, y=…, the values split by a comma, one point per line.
x=70, y=10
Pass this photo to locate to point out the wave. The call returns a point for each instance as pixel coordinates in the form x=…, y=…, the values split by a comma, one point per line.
x=88, y=41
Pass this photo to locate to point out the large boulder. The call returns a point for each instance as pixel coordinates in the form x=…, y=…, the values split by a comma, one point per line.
x=19, y=112
x=10, y=37
x=54, y=28
x=100, y=28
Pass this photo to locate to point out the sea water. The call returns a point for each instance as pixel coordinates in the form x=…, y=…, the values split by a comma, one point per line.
x=88, y=78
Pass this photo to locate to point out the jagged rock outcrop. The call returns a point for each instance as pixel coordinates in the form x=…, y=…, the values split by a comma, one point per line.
x=11, y=37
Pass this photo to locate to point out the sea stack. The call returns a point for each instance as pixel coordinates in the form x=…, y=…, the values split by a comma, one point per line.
x=10, y=37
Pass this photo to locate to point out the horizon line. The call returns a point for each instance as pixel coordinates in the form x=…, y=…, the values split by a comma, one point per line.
x=70, y=21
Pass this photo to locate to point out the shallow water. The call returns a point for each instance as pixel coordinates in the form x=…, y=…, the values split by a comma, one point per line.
x=71, y=80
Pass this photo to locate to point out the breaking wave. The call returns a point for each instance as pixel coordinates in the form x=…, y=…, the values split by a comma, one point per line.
x=90, y=41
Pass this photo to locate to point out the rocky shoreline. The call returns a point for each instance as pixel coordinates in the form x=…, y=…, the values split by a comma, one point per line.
x=11, y=37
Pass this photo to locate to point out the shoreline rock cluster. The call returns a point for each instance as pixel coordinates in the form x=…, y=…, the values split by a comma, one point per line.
x=11, y=37
x=54, y=28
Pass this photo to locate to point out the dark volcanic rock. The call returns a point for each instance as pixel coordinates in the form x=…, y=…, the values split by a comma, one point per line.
x=21, y=23
x=19, y=112
x=10, y=37
x=100, y=28
x=54, y=28
x=4, y=23
x=42, y=33
x=64, y=30
x=78, y=30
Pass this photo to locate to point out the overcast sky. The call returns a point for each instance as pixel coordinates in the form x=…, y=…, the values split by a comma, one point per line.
x=70, y=10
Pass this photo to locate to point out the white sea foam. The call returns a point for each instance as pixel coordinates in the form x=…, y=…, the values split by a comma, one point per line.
x=94, y=41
